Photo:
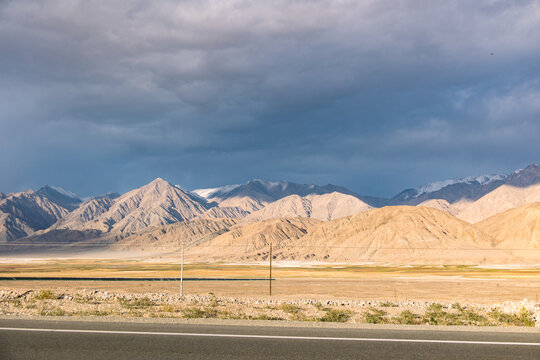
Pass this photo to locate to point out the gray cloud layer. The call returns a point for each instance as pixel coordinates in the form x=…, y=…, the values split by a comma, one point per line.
x=374, y=95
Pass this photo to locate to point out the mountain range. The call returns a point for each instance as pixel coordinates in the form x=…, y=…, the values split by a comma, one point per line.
x=467, y=189
x=25, y=212
x=497, y=211
x=256, y=194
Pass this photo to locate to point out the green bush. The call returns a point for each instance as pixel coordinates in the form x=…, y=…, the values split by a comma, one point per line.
x=320, y=306
x=93, y=313
x=265, y=317
x=136, y=303
x=45, y=295
x=168, y=308
x=406, y=317
x=375, y=316
x=435, y=315
x=197, y=313
x=436, y=307
x=291, y=309
x=523, y=318
x=474, y=318
x=335, y=315
x=53, y=312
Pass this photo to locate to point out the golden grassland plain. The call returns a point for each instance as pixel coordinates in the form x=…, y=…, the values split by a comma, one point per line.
x=430, y=283
x=137, y=268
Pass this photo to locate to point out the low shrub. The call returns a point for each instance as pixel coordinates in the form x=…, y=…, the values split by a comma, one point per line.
x=523, y=318
x=45, y=295
x=265, y=317
x=167, y=308
x=335, y=315
x=197, y=313
x=94, y=312
x=289, y=308
x=320, y=307
x=136, y=303
x=53, y=312
x=375, y=316
x=406, y=317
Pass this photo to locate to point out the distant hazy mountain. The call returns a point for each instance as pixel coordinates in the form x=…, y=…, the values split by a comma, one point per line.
x=87, y=212
x=256, y=194
x=320, y=207
x=157, y=203
x=470, y=188
x=26, y=212
x=450, y=190
x=524, y=177
x=59, y=196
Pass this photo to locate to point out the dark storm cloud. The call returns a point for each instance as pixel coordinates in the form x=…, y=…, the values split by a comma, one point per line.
x=374, y=95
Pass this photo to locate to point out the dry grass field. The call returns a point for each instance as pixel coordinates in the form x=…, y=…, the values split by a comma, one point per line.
x=429, y=283
x=137, y=268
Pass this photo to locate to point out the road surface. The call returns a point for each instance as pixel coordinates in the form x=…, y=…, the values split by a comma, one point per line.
x=31, y=339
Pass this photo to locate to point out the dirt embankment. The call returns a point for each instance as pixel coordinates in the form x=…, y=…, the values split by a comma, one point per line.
x=30, y=302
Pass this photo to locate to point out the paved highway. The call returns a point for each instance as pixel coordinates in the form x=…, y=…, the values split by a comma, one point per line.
x=29, y=339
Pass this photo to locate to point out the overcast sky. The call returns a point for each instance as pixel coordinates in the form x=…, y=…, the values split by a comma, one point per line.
x=377, y=96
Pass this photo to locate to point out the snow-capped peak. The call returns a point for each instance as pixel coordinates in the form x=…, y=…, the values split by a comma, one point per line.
x=65, y=192
x=207, y=193
x=271, y=184
x=532, y=166
x=438, y=185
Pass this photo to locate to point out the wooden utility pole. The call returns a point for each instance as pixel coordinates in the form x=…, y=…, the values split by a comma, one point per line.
x=182, y=271
x=270, y=278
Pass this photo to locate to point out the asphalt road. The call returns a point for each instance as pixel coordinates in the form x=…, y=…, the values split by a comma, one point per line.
x=30, y=339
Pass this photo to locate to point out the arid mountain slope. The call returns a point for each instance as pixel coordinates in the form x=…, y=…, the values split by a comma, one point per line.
x=439, y=204
x=399, y=234
x=517, y=228
x=194, y=232
x=251, y=241
x=320, y=207
x=499, y=200
x=86, y=212
x=26, y=212
x=218, y=212
x=157, y=203
x=160, y=203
